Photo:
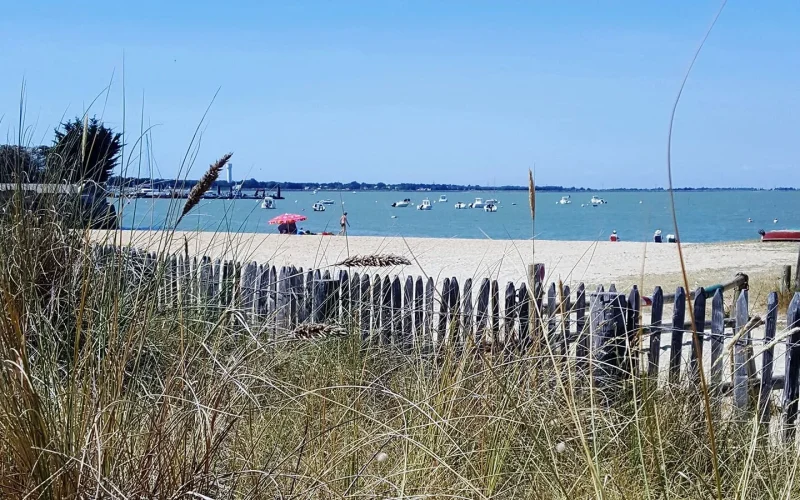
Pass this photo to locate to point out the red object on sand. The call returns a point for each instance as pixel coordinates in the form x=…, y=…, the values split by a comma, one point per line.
x=287, y=218
x=781, y=235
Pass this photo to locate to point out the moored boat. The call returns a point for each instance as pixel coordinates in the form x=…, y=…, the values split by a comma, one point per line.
x=598, y=201
x=442, y=199
x=490, y=207
x=564, y=200
x=268, y=203
x=478, y=203
x=460, y=205
x=401, y=204
x=318, y=207
x=425, y=205
x=327, y=202
x=780, y=235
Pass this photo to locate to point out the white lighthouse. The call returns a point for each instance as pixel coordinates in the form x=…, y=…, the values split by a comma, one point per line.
x=230, y=173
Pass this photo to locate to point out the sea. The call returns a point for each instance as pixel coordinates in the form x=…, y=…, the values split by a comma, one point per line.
x=703, y=216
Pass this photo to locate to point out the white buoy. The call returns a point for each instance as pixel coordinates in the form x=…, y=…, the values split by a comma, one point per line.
x=749, y=219
x=774, y=221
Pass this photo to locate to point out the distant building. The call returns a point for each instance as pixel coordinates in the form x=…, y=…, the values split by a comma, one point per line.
x=230, y=173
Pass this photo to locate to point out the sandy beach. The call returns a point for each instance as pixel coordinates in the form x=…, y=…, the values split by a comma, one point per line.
x=591, y=262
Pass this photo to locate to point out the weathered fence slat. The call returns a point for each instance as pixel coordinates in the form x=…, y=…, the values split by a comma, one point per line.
x=408, y=310
x=306, y=313
x=355, y=300
x=566, y=312
x=717, y=339
x=791, y=389
x=397, y=311
x=524, y=300
x=216, y=279
x=771, y=326
x=283, y=298
x=608, y=337
x=328, y=301
x=295, y=295
x=428, y=335
x=676, y=346
x=551, y=316
x=510, y=316
x=633, y=331
x=344, y=295
x=699, y=308
x=481, y=315
x=248, y=286
x=741, y=379
x=466, y=315
x=366, y=307
x=582, y=333
x=454, y=313
x=442, y=326
x=419, y=298
x=494, y=320
x=318, y=299
x=656, y=312
x=386, y=311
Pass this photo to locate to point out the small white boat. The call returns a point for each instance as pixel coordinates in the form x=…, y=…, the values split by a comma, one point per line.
x=490, y=207
x=268, y=203
x=327, y=202
x=425, y=205
x=318, y=207
x=460, y=205
x=492, y=201
x=478, y=203
x=401, y=204
x=598, y=201
x=564, y=200
x=442, y=199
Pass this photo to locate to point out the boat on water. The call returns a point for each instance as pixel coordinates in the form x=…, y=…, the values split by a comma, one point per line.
x=268, y=203
x=425, y=205
x=318, y=207
x=478, y=203
x=490, y=207
x=460, y=205
x=401, y=204
x=780, y=235
x=598, y=201
x=492, y=201
x=564, y=200
x=443, y=199
x=327, y=202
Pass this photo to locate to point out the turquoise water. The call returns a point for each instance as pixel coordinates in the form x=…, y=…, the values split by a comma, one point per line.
x=702, y=216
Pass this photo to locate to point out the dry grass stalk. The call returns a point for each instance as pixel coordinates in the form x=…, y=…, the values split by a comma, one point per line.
x=205, y=183
x=532, y=194
x=387, y=260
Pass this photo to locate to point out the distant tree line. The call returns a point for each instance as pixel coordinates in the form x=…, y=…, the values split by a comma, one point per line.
x=252, y=184
x=82, y=149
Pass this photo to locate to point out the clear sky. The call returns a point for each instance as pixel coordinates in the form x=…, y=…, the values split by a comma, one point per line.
x=423, y=91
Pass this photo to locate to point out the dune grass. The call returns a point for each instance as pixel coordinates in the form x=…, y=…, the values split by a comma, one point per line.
x=104, y=392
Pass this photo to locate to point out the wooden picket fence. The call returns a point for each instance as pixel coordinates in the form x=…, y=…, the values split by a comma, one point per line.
x=601, y=333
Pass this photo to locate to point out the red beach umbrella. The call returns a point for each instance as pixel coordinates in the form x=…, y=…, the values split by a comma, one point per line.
x=287, y=218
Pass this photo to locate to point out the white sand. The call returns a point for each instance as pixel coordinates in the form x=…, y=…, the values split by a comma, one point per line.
x=623, y=263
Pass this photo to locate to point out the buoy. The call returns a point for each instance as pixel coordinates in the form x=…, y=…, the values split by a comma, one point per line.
x=774, y=221
x=394, y=216
x=749, y=219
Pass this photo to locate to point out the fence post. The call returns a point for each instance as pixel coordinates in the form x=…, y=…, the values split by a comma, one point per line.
x=678, y=325
x=295, y=295
x=249, y=276
x=791, y=388
x=634, y=337
x=355, y=301
x=770, y=327
x=262, y=289
x=551, y=318
x=786, y=280
x=699, y=328
x=741, y=379
x=656, y=312
x=344, y=293
x=328, y=302
x=566, y=312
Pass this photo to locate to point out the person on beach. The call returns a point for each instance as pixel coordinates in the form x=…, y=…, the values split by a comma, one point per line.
x=343, y=222
x=283, y=228
x=657, y=236
x=614, y=236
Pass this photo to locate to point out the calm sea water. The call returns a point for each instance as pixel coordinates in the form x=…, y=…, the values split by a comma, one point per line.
x=702, y=217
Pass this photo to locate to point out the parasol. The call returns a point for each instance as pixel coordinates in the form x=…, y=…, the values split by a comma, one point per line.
x=287, y=218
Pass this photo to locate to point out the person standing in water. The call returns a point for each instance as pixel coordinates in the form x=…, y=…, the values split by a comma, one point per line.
x=343, y=222
x=614, y=236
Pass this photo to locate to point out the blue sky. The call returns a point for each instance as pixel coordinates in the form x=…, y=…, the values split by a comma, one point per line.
x=418, y=91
